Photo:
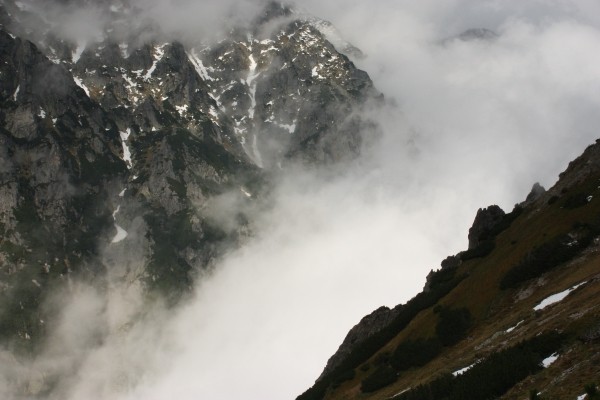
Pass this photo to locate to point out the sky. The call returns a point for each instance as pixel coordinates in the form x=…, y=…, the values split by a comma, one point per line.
x=469, y=124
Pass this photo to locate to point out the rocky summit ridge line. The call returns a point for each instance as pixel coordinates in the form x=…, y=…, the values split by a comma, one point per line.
x=112, y=147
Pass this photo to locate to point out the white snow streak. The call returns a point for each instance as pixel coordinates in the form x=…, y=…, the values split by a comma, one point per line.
x=555, y=298
x=250, y=81
x=159, y=53
x=16, y=93
x=509, y=330
x=121, y=233
x=126, y=151
x=79, y=83
x=463, y=370
x=291, y=128
x=198, y=65
x=245, y=192
x=257, y=155
x=546, y=362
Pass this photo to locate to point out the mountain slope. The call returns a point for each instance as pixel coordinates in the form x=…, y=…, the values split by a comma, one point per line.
x=115, y=149
x=532, y=272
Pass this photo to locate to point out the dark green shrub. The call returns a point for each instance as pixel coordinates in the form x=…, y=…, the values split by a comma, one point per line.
x=576, y=201
x=492, y=377
x=546, y=257
x=553, y=200
x=381, y=377
x=453, y=325
x=484, y=248
x=592, y=391
x=343, y=377
x=415, y=353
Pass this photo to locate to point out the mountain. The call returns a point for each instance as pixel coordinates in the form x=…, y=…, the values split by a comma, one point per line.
x=131, y=156
x=116, y=149
x=514, y=314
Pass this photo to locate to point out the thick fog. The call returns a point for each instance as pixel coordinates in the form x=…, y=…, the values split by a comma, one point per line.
x=471, y=123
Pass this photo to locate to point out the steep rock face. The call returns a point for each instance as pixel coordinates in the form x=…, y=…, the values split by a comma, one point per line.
x=485, y=221
x=61, y=154
x=368, y=326
x=536, y=192
x=125, y=140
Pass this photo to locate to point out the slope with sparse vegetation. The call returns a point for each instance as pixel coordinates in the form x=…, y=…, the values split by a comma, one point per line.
x=520, y=319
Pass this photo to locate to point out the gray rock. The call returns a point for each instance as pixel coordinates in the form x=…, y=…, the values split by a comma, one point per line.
x=367, y=327
x=485, y=220
x=536, y=192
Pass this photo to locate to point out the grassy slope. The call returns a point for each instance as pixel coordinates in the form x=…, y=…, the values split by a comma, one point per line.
x=495, y=310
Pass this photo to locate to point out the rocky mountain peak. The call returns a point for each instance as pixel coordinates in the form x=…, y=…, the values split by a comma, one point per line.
x=125, y=137
x=485, y=221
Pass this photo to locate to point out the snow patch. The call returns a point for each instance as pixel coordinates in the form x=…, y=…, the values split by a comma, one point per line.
x=36, y=283
x=122, y=193
x=315, y=72
x=79, y=83
x=198, y=65
x=245, y=192
x=120, y=236
x=16, y=93
x=126, y=151
x=182, y=109
x=121, y=233
x=400, y=393
x=555, y=298
x=509, y=330
x=256, y=152
x=291, y=128
x=548, y=361
x=463, y=370
x=250, y=81
x=159, y=52
x=583, y=396
x=42, y=113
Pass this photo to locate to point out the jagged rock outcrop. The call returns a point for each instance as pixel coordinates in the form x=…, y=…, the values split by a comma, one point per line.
x=450, y=262
x=368, y=326
x=485, y=222
x=536, y=192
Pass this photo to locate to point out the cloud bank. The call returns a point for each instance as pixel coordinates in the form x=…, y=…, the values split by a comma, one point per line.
x=475, y=123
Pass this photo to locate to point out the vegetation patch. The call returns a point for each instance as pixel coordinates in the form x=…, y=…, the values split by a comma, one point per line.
x=492, y=377
x=383, y=376
x=453, y=325
x=415, y=353
x=549, y=255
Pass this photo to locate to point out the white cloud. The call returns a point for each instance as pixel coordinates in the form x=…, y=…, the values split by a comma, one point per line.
x=477, y=123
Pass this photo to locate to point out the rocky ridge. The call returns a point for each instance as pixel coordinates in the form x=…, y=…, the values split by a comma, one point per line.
x=542, y=255
x=120, y=142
